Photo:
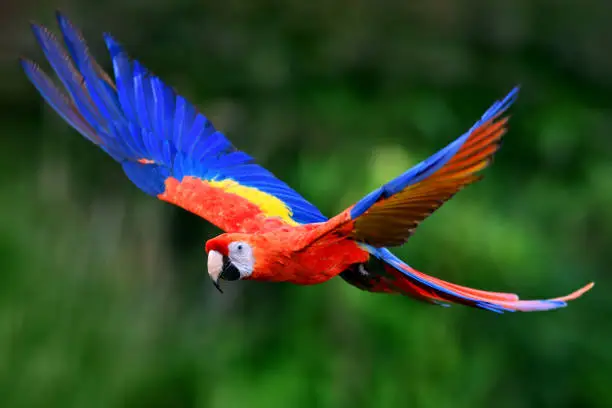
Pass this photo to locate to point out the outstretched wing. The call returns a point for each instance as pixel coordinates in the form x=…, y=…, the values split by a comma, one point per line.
x=165, y=146
x=389, y=215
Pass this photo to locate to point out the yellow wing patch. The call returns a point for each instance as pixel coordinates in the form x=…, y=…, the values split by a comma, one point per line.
x=270, y=205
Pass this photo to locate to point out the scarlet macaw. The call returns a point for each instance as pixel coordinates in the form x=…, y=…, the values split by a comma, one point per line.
x=171, y=151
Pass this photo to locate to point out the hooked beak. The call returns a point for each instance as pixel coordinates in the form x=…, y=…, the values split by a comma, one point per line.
x=215, y=268
x=220, y=267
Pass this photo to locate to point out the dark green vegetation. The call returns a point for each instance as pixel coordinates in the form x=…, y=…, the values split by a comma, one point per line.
x=104, y=297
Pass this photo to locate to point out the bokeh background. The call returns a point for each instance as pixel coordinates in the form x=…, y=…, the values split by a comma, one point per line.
x=104, y=297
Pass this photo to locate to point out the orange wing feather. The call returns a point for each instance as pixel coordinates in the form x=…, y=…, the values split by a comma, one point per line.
x=392, y=221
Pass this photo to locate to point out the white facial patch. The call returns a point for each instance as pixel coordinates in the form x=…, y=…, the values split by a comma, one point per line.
x=241, y=256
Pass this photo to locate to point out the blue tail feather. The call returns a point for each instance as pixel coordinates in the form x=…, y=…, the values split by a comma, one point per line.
x=452, y=293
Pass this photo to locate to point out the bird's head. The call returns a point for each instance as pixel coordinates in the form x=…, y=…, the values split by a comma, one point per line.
x=230, y=257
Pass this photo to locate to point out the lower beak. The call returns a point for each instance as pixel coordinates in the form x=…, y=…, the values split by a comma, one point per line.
x=215, y=267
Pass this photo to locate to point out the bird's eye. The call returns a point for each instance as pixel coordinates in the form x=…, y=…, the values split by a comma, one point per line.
x=239, y=247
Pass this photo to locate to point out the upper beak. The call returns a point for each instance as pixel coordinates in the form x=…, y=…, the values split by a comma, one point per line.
x=215, y=267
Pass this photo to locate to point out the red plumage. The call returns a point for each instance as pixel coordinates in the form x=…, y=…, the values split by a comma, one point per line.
x=171, y=151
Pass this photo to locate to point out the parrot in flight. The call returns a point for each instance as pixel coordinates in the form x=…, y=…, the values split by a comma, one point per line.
x=173, y=152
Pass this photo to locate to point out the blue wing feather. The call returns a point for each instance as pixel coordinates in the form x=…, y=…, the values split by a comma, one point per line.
x=68, y=75
x=143, y=124
x=104, y=97
x=148, y=177
x=432, y=164
x=123, y=78
x=57, y=100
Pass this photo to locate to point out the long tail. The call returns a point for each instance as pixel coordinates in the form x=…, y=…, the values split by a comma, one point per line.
x=401, y=278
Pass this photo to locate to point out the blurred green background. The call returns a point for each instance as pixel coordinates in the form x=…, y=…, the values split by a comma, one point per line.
x=104, y=297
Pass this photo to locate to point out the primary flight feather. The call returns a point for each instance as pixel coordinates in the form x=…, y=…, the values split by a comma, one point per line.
x=170, y=150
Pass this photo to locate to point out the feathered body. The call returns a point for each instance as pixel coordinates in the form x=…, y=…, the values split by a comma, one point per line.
x=170, y=150
x=286, y=254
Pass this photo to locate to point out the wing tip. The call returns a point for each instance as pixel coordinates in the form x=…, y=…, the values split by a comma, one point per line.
x=498, y=108
x=43, y=35
x=25, y=62
x=511, y=96
x=61, y=17
x=36, y=28
x=29, y=67
x=514, y=91
x=65, y=24
x=113, y=46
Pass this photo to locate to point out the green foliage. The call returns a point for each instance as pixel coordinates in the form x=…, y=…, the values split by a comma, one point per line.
x=104, y=298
